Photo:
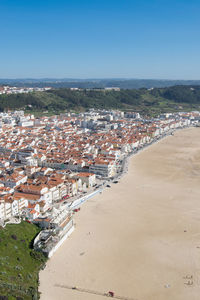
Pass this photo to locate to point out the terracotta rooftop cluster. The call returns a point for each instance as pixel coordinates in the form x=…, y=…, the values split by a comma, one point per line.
x=57, y=156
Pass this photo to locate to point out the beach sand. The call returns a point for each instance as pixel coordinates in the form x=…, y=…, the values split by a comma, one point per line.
x=141, y=237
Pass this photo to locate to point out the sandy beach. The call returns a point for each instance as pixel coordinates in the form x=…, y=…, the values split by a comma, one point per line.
x=141, y=237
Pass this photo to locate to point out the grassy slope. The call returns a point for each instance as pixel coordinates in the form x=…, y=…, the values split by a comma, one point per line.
x=144, y=101
x=19, y=264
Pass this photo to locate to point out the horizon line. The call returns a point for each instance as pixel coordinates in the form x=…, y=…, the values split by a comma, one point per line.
x=94, y=78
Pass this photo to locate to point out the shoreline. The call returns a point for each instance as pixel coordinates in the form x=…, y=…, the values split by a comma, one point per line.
x=81, y=233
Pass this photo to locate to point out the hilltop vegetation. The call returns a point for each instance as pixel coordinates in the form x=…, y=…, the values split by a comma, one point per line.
x=19, y=263
x=145, y=101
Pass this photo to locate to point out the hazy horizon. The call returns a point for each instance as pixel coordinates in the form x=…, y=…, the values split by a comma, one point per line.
x=95, y=78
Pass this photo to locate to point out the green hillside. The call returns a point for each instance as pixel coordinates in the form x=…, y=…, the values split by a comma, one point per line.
x=145, y=101
x=19, y=263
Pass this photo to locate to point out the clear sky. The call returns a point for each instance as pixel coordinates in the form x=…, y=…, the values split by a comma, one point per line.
x=100, y=39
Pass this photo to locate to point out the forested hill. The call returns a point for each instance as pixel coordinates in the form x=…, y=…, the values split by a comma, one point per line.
x=142, y=100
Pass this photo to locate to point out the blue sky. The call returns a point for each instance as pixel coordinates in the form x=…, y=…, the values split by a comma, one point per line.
x=100, y=39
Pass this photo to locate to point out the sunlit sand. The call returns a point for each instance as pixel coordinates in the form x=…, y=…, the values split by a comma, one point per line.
x=141, y=237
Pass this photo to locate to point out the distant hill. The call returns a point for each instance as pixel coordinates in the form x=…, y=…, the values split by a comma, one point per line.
x=97, y=83
x=145, y=101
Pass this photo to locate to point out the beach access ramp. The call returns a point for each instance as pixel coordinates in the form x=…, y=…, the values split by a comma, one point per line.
x=104, y=294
